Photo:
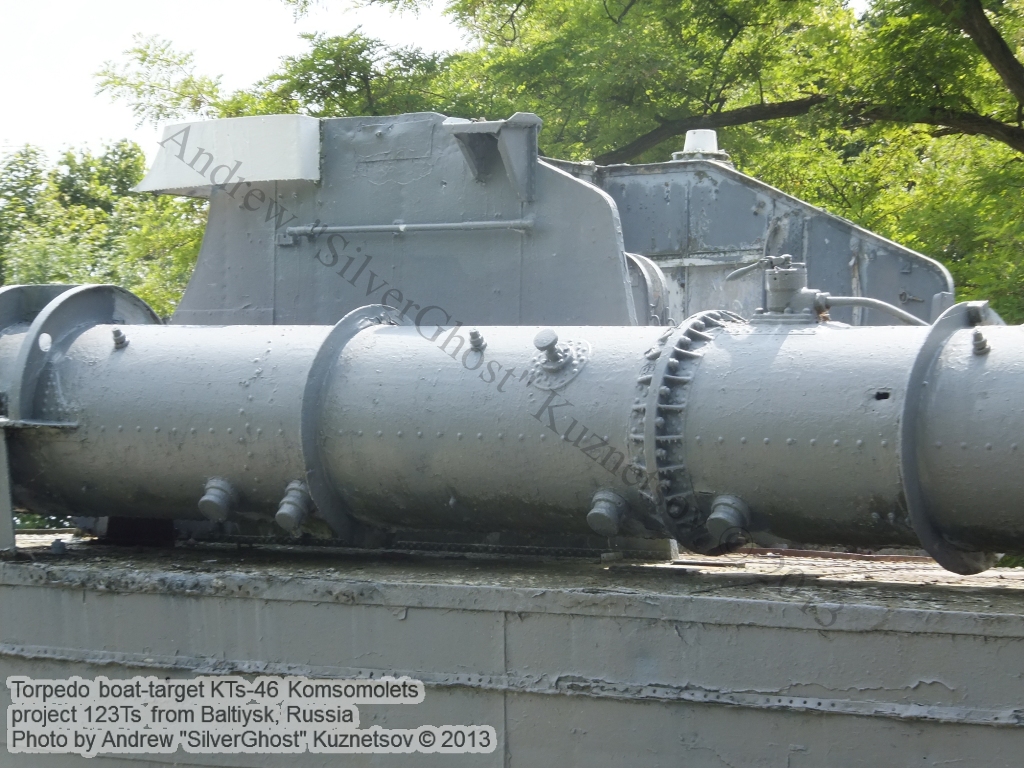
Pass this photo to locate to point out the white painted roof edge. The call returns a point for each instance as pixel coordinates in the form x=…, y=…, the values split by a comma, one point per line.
x=196, y=156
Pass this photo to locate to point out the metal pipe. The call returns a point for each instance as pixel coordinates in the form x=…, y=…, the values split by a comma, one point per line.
x=314, y=230
x=881, y=306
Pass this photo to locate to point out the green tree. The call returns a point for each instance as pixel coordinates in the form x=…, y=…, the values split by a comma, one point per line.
x=617, y=78
x=77, y=222
x=338, y=76
x=22, y=177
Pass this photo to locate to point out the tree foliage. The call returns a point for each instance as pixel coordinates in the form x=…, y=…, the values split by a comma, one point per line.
x=338, y=76
x=76, y=222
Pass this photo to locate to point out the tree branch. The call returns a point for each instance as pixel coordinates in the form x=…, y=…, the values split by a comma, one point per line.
x=970, y=16
x=740, y=116
x=969, y=123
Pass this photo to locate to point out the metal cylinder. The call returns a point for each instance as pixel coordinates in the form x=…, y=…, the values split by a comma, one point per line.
x=140, y=430
x=711, y=432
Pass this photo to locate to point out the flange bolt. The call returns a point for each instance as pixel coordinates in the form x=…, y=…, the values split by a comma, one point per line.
x=120, y=340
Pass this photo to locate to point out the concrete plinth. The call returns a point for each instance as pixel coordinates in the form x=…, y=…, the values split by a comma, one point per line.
x=744, y=661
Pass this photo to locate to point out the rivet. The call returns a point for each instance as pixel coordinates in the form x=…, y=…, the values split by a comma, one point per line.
x=479, y=435
x=280, y=431
x=721, y=439
x=250, y=398
x=247, y=426
x=229, y=430
x=440, y=434
x=211, y=430
x=1013, y=447
x=341, y=432
x=938, y=443
x=120, y=428
x=241, y=411
x=697, y=438
x=814, y=441
x=835, y=443
x=359, y=433
x=522, y=437
x=988, y=446
x=138, y=429
x=419, y=434
x=174, y=430
x=102, y=428
x=543, y=437
x=860, y=443
x=379, y=433
x=501, y=435
x=743, y=440
x=399, y=433
x=259, y=431
x=193, y=430
x=885, y=443
x=241, y=439
x=963, y=446
x=767, y=440
x=790, y=441
x=156, y=429
x=249, y=454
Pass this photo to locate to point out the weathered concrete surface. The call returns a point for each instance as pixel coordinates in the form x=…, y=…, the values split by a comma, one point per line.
x=743, y=661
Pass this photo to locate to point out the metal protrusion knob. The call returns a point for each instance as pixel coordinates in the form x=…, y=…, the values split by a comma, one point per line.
x=729, y=522
x=295, y=507
x=218, y=500
x=120, y=340
x=476, y=340
x=981, y=346
x=606, y=515
x=547, y=342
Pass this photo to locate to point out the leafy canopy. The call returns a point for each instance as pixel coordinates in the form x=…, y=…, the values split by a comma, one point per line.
x=75, y=222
